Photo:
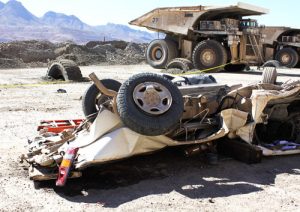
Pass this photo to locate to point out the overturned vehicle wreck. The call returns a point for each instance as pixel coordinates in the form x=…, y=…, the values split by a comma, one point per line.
x=149, y=112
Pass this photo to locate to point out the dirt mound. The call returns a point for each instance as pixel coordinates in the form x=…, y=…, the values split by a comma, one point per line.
x=20, y=54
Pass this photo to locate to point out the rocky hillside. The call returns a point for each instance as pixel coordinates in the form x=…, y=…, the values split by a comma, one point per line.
x=23, y=54
x=58, y=27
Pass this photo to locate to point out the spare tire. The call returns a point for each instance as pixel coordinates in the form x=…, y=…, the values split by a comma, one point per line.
x=269, y=75
x=209, y=54
x=160, y=52
x=287, y=57
x=93, y=98
x=149, y=104
x=65, y=70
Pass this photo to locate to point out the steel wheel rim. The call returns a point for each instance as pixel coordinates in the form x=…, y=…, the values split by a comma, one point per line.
x=152, y=98
x=157, y=53
x=208, y=57
x=285, y=58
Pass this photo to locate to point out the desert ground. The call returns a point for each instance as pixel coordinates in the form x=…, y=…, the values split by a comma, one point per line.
x=164, y=181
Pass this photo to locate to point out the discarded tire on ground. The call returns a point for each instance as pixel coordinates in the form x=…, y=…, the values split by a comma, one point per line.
x=180, y=63
x=160, y=52
x=174, y=71
x=209, y=54
x=271, y=63
x=269, y=75
x=64, y=70
x=287, y=57
x=92, y=98
x=149, y=104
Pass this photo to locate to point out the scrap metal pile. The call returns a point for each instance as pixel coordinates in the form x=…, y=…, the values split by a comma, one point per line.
x=149, y=112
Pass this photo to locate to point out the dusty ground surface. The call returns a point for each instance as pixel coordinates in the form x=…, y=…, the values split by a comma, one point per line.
x=163, y=181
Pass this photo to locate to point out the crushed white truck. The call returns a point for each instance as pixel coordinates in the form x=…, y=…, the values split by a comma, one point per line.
x=149, y=112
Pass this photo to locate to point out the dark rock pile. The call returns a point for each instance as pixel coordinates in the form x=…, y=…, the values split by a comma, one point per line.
x=22, y=54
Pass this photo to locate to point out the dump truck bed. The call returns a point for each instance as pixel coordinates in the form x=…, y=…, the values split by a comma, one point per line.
x=179, y=20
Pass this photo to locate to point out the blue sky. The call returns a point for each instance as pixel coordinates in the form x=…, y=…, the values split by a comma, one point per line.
x=97, y=12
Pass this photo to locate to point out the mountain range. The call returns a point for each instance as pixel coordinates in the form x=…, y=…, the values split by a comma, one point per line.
x=17, y=23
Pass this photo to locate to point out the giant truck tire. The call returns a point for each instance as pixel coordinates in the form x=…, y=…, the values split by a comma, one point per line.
x=209, y=54
x=160, y=52
x=93, y=98
x=269, y=75
x=287, y=57
x=65, y=70
x=149, y=104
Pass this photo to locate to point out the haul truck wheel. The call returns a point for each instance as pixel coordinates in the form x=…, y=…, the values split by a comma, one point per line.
x=160, y=52
x=92, y=98
x=149, y=104
x=287, y=57
x=65, y=70
x=209, y=54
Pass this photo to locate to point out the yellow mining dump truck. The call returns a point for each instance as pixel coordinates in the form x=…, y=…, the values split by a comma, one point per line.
x=210, y=37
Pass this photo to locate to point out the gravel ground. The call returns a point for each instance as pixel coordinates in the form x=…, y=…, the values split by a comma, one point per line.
x=162, y=181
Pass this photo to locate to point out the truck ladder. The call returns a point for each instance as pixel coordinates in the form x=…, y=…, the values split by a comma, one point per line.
x=255, y=47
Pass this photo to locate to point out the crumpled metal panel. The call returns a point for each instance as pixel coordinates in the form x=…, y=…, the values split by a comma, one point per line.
x=123, y=143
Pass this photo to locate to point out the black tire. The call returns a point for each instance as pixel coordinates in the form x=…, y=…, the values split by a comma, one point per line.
x=65, y=70
x=180, y=63
x=92, y=97
x=160, y=52
x=269, y=75
x=217, y=55
x=287, y=57
x=271, y=63
x=140, y=121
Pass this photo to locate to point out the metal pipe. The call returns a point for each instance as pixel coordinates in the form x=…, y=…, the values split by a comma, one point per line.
x=101, y=87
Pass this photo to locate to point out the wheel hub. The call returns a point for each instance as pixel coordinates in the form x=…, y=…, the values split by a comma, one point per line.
x=285, y=58
x=157, y=53
x=152, y=98
x=208, y=57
